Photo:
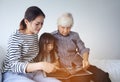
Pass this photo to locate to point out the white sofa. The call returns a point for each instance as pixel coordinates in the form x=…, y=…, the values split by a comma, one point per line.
x=2, y=55
x=110, y=66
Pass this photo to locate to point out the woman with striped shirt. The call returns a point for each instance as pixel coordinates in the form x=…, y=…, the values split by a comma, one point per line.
x=23, y=48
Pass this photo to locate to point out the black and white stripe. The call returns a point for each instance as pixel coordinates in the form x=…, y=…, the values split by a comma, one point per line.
x=21, y=50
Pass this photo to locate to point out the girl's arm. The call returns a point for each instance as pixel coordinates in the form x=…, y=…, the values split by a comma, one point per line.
x=56, y=63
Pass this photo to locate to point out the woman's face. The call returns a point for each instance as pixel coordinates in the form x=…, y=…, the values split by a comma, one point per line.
x=64, y=30
x=50, y=47
x=33, y=27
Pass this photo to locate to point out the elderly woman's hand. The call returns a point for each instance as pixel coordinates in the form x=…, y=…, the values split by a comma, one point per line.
x=86, y=64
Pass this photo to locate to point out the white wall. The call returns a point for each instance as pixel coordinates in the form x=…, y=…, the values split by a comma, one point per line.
x=97, y=21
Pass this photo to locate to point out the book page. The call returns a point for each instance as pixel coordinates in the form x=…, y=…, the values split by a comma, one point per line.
x=65, y=73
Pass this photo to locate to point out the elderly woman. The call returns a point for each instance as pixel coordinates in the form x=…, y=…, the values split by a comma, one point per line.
x=69, y=43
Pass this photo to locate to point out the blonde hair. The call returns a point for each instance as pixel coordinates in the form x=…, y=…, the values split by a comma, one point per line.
x=65, y=20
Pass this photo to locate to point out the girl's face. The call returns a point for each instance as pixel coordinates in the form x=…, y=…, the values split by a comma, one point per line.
x=50, y=47
x=33, y=27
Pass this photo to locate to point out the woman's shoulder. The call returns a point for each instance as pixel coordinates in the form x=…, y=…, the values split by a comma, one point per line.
x=73, y=33
x=54, y=32
x=15, y=35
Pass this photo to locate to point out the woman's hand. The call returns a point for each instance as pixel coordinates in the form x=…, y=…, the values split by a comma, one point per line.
x=48, y=67
x=86, y=64
x=45, y=66
x=85, y=61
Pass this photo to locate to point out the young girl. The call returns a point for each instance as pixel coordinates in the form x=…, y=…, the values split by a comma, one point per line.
x=47, y=49
x=23, y=48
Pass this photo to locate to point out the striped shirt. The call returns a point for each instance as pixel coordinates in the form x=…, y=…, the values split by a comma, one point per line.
x=21, y=50
x=67, y=46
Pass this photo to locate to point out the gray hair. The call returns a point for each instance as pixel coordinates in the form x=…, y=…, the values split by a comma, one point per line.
x=65, y=20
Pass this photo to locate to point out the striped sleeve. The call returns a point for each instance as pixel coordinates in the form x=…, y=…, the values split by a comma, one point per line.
x=21, y=50
x=14, y=55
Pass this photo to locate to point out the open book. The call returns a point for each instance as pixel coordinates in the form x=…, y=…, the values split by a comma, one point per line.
x=66, y=73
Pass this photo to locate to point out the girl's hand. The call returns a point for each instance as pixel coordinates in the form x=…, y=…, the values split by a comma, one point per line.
x=56, y=63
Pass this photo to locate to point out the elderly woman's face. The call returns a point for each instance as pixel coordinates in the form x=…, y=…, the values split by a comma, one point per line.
x=64, y=30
